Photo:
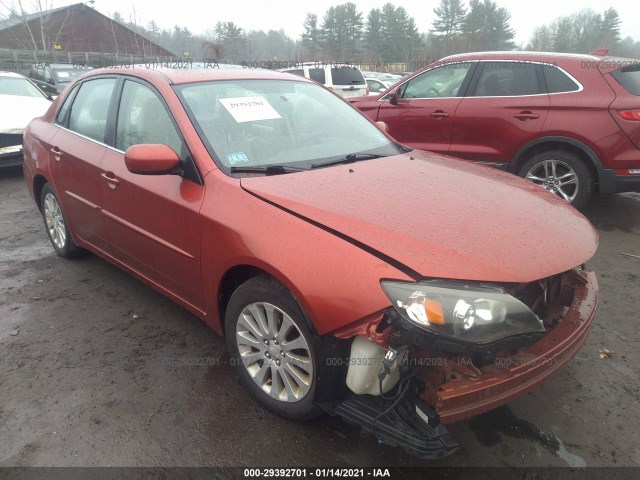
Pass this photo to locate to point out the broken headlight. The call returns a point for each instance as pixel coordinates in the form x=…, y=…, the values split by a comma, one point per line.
x=477, y=314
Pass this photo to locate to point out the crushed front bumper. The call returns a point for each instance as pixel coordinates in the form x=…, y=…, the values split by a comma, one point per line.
x=475, y=391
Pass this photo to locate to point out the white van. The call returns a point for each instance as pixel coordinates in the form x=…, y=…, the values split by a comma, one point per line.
x=346, y=80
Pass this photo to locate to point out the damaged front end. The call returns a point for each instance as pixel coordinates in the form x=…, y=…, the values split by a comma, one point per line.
x=450, y=350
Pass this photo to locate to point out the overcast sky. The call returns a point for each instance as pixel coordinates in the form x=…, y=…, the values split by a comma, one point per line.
x=199, y=15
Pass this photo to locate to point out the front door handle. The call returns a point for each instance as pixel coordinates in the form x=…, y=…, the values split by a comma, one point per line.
x=526, y=115
x=111, y=179
x=439, y=114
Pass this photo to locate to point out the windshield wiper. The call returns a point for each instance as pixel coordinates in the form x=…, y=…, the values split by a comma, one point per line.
x=268, y=169
x=352, y=157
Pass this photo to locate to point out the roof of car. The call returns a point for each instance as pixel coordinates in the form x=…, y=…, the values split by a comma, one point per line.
x=57, y=65
x=187, y=75
x=521, y=55
x=11, y=74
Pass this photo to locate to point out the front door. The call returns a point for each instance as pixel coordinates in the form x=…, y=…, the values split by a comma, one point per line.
x=423, y=115
x=153, y=221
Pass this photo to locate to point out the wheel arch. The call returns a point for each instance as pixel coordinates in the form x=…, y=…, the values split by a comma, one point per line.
x=39, y=181
x=569, y=144
x=239, y=274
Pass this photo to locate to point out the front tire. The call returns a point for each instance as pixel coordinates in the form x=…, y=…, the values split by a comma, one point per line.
x=56, y=225
x=562, y=173
x=272, y=346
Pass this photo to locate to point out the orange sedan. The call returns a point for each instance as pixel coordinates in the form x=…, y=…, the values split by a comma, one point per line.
x=397, y=288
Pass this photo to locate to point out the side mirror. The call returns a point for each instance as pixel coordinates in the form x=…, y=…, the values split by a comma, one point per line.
x=393, y=97
x=382, y=126
x=152, y=159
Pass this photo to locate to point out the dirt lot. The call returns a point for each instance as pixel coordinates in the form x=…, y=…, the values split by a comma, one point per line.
x=95, y=370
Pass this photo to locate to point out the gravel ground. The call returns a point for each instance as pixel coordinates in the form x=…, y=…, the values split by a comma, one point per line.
x=94, y=371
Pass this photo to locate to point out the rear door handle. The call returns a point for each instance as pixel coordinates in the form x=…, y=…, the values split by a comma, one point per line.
x=111, y=179
x=439, y=114
x=526, y=116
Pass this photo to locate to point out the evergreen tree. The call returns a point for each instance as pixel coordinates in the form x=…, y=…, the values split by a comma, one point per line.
x=373, y=36
x=610, y=29
x=450, y=16
x=311, y=36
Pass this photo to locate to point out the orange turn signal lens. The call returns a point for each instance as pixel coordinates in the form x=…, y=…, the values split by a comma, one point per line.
x=435, y=313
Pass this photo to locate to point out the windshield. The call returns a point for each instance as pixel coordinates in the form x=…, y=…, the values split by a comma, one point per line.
x=257, y=123
x=19, y=86
x=67, y=74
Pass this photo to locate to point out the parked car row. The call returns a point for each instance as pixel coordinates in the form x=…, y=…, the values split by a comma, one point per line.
x=569, y=123
x=349, y=273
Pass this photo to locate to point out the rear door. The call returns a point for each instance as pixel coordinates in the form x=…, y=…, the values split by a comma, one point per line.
x=77, y=150
x=423, y=115
x=505, y=108
x=152, y=220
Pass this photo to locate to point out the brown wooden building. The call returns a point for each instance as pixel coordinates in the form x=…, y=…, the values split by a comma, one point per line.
x=75, y=28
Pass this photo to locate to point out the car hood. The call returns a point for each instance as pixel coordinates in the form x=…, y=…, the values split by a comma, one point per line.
x=436, y=216
x=22, y=111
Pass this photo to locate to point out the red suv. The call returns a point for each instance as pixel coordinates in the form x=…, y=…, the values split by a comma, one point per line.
x=570, y=123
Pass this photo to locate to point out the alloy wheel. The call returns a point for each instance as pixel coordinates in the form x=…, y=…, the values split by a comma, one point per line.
x=55, y=221
x=556, y=176
x=274, y=352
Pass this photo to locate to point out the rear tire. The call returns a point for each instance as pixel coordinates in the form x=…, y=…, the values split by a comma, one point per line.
x=562, y=173
x=273, y=348
x=56, y=225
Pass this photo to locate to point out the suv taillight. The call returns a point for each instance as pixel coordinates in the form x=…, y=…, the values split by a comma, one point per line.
x=630, y=114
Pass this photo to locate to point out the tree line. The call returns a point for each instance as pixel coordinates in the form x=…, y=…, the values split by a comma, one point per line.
x=390, y=35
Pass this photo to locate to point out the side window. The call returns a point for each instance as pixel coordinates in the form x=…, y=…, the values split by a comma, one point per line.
x=47, y=76
x=62, y=113
x=299, y=72
x=318, y=75
x=444, y=81
x=508, y=79
x=558, y=81
x=90, y=108
x=142, y=118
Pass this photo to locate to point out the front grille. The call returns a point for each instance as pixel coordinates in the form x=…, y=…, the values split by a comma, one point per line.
x=10, y=139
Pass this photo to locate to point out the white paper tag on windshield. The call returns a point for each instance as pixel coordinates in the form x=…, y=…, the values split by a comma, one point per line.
x=63, y=74
x=249, y=109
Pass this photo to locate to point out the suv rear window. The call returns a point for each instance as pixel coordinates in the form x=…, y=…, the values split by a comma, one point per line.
x=558, y=81
x=346, y=76
x=629, y=78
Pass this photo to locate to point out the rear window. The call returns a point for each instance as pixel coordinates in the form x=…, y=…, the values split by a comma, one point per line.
x=558, y=81
x=318, y=75
x=629, y=78
x=346, y=76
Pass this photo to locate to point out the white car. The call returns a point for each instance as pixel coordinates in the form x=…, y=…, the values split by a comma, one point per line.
x=377, y=85
x=344, y=79
x=20, y=102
